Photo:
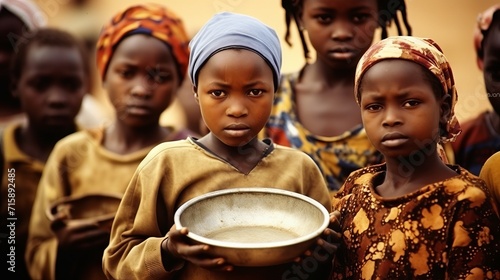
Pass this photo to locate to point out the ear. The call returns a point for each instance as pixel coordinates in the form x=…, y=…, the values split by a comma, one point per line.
x=195, y=92
x=444, y=111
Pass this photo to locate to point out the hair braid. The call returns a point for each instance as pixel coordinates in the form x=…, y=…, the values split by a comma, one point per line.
x=388, y=13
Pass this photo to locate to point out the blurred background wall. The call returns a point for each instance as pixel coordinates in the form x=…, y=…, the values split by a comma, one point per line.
x=449, y=22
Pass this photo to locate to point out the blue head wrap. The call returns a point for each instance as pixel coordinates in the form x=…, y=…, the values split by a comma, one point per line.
x=234, y=31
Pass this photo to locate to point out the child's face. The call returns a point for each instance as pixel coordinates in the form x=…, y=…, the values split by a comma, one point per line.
x=52, y=85
x=491, y=70
x=340, y=31
x=141, y=80
x=10, y=27
x=399, y=108
x=235, y=92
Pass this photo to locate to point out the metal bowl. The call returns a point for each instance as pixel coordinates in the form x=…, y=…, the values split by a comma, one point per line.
x=97, y=208
x=253, y=226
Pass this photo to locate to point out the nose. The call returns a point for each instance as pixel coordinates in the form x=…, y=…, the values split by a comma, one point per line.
x=342, y=30
x=57, y=97
x=236, y=107
x=142, y=89
x=391, y=118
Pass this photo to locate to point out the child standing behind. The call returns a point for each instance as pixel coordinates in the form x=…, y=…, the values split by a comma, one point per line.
x=314, y=110
x=413, y=217
x=50, y=76
x=480, y=137
x=234, y=67
x=142, y=57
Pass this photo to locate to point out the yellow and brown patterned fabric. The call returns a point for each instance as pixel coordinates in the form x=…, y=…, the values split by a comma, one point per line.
x=150, y=19
x=445, y=230
x=422, y=51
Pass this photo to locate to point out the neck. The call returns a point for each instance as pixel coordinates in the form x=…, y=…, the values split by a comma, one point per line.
x=321, y=71
x=123, y=139
x=415, y=171
x=39, y=142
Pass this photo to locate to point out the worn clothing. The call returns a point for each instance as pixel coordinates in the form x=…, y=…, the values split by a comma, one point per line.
x=445, y=230
x=424, y=52
x=78, y=165
x=491, y=175
x=336, y=156
x=20, y=176
x=477, y=142
x=172, y=174
x=151, y=19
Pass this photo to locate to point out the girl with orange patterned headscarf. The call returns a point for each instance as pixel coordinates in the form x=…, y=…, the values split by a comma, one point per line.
x=413, y=217
x=142, y=56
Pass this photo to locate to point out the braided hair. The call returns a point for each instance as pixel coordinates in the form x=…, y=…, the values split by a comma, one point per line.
x=293, y=9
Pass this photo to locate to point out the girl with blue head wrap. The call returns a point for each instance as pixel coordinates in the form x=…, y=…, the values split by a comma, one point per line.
x=234, y=67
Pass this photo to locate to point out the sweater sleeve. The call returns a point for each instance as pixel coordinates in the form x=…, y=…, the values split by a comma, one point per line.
x=134, y=251
x=41, y=250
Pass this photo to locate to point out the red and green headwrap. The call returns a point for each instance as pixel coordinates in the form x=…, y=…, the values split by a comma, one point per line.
x=150, y=19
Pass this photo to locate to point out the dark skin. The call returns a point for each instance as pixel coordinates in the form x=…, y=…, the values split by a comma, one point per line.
x=235, y=92
x=491, y=69
x=50, y=88
x=10, y=27
x=402, y=116
x=340, y=32
x=140, y=80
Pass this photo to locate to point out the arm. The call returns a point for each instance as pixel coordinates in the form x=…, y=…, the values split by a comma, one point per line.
x=41, y=249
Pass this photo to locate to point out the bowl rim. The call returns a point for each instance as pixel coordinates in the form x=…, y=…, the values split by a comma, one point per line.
x=262, y=245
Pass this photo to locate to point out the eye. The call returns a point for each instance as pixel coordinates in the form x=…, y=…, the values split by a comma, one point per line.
x=256, y=92
x=324, y=18
x=126, y=73
x=411, y=103
x=159, y=76
x=217, y=93
x=72, y=84
x=360, y=17
x=373, y=107
x=39, y=84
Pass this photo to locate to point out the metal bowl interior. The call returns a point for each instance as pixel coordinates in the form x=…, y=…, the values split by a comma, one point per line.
x=254, y=226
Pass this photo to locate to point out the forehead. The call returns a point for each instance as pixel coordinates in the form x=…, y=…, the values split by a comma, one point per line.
x=341, y=4
x=45, y=58
x=142, y=46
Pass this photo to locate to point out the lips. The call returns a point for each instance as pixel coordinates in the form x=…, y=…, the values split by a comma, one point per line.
x=138, y=109
x=237, y=130
x=343, y=52
x=394, y=139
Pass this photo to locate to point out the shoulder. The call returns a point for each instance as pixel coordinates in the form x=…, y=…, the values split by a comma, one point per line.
x=170, y=151
x=466, y=186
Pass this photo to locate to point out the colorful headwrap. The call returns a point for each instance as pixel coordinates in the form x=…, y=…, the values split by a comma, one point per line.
x=423, y=51
x=150, y=19
x=482, y=25
x=27, y=11
x=229, y=31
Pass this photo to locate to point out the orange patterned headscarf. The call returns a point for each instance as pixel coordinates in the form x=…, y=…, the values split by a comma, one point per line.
x=150, y=19
x=422, y=51
x=482, y=25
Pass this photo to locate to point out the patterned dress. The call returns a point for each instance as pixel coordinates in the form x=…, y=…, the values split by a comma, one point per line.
x=445, y=230
x=336, y=156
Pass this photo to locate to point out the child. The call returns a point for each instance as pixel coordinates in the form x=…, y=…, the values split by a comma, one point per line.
x=480, y=136
x=142, y=55
x=17, y=19
x=50, y=76
x=413, y=217
x=314, y=110
x=234, y=67
x=489, y=173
